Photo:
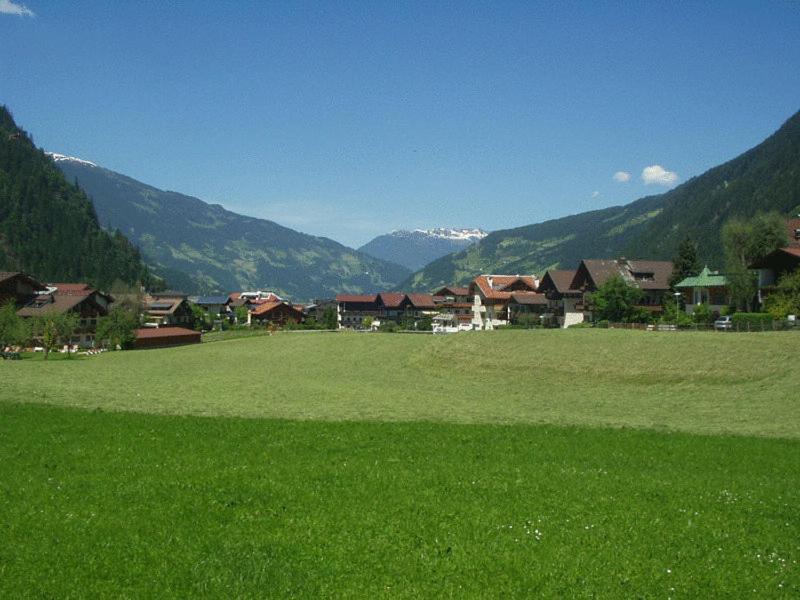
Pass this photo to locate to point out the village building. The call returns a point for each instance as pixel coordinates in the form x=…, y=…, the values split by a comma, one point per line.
x=164, y=337
x=708, y=287
x=214, y=306
x=390, y=306
x=526, y=304
x=562, y=300
x=352, y=309
x=385, y=306
x=87, y=303
x=454, y=305
x=18, y=288
x=773, y=266
x=168, y=309
x=417, y=306
x=316, y=309
x=650, y=276
x=276, y=313
x=491, y=295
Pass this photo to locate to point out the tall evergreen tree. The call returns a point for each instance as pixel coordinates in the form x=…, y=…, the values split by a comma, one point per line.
x=48, y=227
x=686, y=263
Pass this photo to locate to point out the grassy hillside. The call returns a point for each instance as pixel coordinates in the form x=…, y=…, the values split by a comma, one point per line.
x=696, y=382
x=764, y=178
x=443, y=486
x=48, y=227
x=203, y=248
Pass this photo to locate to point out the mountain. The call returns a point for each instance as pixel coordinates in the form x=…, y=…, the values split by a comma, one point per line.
x=48, y=227
x=415, y=249
x=765, y=178
x=204, y=248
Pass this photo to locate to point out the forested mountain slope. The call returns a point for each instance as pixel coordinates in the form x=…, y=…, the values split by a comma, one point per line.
x=204, y=248
x=764, y=178
x=48, y=227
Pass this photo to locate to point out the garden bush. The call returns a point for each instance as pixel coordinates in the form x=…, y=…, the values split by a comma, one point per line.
x=757, y=321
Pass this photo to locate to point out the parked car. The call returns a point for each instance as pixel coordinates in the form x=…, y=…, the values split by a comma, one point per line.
x=723, y=323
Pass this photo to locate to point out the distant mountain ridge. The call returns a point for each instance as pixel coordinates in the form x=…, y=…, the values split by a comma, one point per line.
x=204, y=248
x=765, y=178
x=48, y=227
x=416, y=248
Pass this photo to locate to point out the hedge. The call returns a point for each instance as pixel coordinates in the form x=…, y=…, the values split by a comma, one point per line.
x=752, y=321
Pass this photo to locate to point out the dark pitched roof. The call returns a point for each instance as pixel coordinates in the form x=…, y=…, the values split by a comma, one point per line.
x=558, y=280
x=449, y=290
x=788, y=253
x=6, y=275
x=51, y=303
x=163, y=305
x=644, y=274
x=528, y=298
x=356, y=297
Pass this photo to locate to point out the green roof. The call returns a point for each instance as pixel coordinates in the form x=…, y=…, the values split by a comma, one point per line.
x=706, y=278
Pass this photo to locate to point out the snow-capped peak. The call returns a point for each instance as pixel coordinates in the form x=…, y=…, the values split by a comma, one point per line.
x=454, y=234
x=61, y=157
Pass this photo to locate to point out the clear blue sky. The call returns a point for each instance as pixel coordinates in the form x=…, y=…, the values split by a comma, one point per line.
x=352, y=119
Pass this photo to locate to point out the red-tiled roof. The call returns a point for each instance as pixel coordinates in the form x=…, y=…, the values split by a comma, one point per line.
x=421, y=300
x=493, y=286
x=267, y=307
x=163, y=332
x=65, y=288
x=391, y=299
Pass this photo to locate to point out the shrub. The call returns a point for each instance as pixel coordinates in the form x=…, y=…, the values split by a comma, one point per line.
x=702, y=314
x=752, y=321
x=388, y=327
x=602, y=324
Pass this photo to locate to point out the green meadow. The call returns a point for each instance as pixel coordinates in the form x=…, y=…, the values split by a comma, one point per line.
x=513, y=463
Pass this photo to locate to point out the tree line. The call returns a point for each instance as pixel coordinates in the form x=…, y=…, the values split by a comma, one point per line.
x=49, y=227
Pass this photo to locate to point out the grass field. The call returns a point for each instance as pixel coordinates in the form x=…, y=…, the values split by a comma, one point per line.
x=698, y=382
x=585, y=463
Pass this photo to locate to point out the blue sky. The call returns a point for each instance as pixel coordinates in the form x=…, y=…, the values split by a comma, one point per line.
x=351, y=119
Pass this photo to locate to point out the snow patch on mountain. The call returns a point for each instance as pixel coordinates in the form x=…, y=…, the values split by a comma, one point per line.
x=62, y=157
x=446, y=233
